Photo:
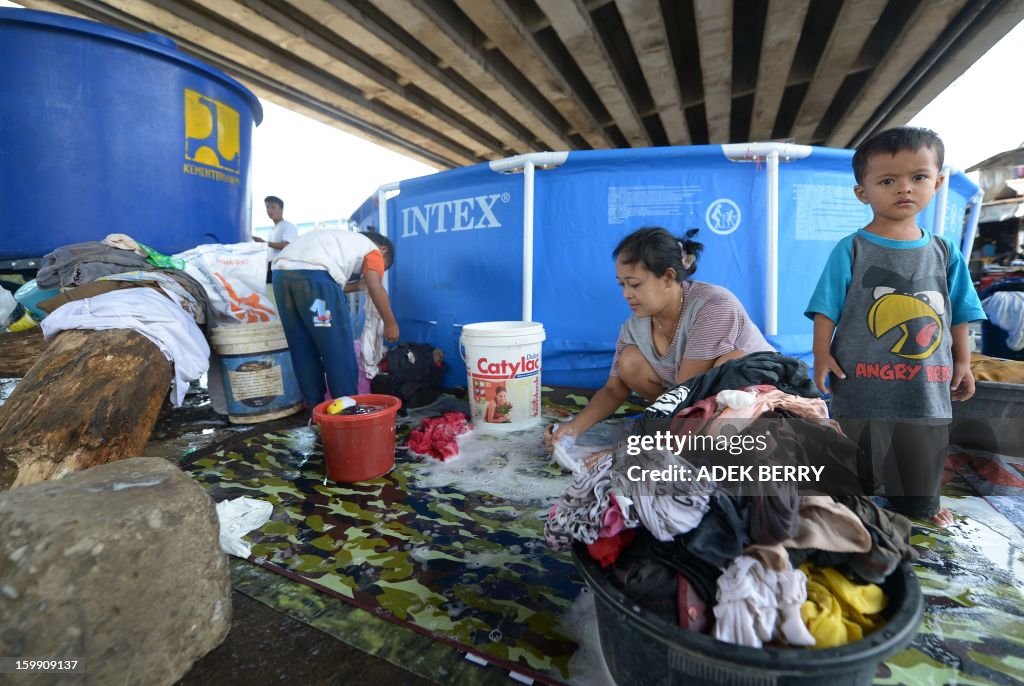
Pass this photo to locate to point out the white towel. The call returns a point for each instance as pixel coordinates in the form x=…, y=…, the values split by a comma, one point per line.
x=371, y=341
x=151, y=314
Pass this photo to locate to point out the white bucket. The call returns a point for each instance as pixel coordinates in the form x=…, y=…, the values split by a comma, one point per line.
x=503, y=364
x=259, y=383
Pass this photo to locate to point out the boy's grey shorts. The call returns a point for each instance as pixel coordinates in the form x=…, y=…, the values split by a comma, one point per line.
x=904, y=461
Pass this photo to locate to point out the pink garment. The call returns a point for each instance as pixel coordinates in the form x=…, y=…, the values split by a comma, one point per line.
x=613, y=523
x=770, y=398
x=363, y=382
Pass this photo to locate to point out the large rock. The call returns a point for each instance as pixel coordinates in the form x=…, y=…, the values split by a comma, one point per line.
x=118, y=566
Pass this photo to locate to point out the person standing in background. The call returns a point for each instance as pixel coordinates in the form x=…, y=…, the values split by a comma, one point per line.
x=283, y=233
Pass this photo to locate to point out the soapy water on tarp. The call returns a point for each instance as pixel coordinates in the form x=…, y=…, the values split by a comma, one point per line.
x=513, y=465
x=990, y=544
x=579, y=623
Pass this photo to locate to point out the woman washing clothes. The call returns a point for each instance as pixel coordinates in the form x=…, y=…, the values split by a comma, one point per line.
x=679, y=328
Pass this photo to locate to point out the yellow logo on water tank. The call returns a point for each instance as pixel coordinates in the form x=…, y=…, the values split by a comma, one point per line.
x=212, y=140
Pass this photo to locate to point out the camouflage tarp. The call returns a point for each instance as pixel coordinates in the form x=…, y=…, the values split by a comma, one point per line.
x=471, y=569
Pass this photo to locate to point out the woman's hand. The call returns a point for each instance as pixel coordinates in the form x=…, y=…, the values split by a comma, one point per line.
x=556, y=431
x=604, y=402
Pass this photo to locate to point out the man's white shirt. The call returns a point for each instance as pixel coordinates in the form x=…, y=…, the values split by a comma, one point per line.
x=283, y=231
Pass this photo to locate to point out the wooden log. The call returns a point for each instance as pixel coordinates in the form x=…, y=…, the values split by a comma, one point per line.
x=93, y=397
x=19, y=351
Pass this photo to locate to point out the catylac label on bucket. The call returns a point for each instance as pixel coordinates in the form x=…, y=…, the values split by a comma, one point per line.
x=503, y=363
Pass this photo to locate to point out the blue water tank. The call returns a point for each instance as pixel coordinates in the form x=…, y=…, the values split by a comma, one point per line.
x=105, y=131
x=459, y=242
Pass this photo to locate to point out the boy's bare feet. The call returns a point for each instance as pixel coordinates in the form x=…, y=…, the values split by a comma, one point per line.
x=942, y=518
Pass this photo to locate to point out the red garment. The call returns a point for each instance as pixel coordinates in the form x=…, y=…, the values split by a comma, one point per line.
x=606, y=550
x=436, y=436
x=694, y=418
x=703, y=409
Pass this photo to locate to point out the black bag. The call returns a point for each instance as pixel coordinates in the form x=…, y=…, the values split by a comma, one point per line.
x=409, y=372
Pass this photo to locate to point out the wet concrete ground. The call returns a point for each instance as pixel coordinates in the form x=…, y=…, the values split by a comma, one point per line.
x=268, y=647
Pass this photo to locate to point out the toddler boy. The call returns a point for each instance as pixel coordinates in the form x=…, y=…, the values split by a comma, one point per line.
x=891, y=311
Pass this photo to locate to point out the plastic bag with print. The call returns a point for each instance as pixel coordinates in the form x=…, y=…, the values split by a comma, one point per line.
x=234, y=278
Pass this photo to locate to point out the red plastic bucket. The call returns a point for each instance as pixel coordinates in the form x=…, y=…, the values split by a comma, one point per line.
x=359, y=447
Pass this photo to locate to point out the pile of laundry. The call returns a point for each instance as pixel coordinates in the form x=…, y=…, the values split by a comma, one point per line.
x=751, y=562
x=118, y=283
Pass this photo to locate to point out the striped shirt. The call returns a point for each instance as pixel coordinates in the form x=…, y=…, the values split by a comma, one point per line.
x=713, y=323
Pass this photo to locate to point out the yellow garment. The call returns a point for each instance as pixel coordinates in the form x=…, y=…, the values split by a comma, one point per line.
x=837, y=610
x=987, y=368
x=864, y=598
x=824, y=619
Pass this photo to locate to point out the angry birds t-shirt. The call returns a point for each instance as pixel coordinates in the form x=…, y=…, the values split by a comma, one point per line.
x=894, y=304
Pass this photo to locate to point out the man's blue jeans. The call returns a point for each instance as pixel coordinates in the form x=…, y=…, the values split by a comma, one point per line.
x=314, y=314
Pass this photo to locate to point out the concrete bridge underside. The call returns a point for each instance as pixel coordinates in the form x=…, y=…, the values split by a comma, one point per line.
x=455, y=82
